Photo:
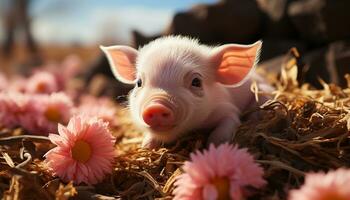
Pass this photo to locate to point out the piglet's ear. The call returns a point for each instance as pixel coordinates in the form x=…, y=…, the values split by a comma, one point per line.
x=122, y=62
x=234, y=62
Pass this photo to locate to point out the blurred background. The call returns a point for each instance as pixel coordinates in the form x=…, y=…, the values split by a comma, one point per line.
x=36, y=32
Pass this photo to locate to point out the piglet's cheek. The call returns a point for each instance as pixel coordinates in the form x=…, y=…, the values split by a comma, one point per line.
x=136, y=104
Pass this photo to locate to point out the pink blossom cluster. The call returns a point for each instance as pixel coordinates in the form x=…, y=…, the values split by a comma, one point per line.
x=44, y=80
x=44, y=99
x=37, y=113
x=45, y=103
x=40, y=113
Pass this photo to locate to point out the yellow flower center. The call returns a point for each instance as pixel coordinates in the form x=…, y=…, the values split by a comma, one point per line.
x=81, y=151
x=53, y=114
x=333, y=196
x=222, y=186
x=41, y=87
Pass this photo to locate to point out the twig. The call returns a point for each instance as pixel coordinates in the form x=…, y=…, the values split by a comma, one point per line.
x=27, y=161
x=282, y=165
x=10, y=139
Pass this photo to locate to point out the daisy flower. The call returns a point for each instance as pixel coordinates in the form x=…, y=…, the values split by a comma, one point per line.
x=7, y=119
x=11, y=106
x=42, y=82
x=84, y=152
x=57, y=108
x=218, y=173
x=44, y=112
x=333, y=185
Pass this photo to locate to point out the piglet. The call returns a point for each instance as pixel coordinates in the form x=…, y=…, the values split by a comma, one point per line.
x=181, y=85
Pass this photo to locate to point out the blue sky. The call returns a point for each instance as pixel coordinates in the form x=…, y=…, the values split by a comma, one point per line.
x=89, y=21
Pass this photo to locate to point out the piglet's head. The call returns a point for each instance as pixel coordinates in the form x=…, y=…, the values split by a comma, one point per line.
x=179, y=82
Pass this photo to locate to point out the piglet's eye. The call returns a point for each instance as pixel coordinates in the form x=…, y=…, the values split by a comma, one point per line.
x=139, y=83
x=196, y=82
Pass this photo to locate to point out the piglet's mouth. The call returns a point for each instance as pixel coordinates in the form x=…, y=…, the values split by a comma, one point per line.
x=161, y=129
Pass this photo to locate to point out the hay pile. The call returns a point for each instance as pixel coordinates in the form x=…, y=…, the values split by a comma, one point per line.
x=300, y=130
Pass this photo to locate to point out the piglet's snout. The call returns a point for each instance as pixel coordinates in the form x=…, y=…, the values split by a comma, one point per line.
x=158, y=116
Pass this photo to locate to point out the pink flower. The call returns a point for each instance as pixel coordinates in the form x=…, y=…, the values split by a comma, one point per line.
x=7, y=119
x=57, y=108
x=102, y=108
x=44, y=112
x=65, y=71
x=218, y=173
x=11, y=107
x=84, y=152
x=320, y=186
x=42, y=82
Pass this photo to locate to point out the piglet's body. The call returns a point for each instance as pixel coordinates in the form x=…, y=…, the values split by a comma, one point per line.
x=181, y=85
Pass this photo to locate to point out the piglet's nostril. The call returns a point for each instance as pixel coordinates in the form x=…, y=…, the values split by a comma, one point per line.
x=150, y=116
x=166, y=115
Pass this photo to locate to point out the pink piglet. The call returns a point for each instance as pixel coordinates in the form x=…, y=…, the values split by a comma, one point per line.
x=182, y=85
